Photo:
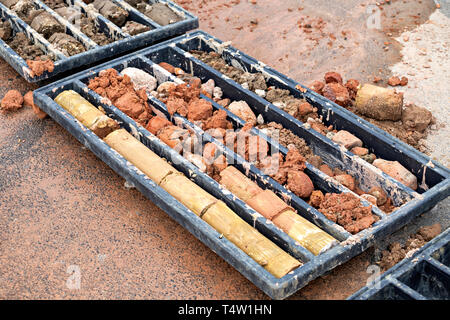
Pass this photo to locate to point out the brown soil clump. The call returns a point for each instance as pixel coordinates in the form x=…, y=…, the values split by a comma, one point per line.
x=120, y=91
x=397, y=252
x=12, y=101
x=346, y=210
x=25, y=47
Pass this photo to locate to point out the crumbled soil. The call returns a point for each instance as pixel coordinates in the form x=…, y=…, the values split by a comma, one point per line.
x=119, y=17
x=133, y=28
x=26, y=49
x=36, y=59
x=298, y=108
x=12, y=101
x=111, y=11
x=397, y=252
x=158, y=12
x=68, y=45
x=28, y=101
x=346, y=210
x=120, y=91
x=38, y=66
x=286, y=137
x=86, y=24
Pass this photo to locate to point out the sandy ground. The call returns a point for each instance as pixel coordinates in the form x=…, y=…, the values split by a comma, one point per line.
x=63, y=209
x=425, y=61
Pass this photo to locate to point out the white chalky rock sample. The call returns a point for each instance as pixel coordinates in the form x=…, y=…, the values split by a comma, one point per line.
x=243, y=111
x=141, y=79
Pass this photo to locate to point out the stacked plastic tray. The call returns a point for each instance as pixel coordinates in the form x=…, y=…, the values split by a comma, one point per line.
x=434, y=178
x=423, y=276
x=123, y=42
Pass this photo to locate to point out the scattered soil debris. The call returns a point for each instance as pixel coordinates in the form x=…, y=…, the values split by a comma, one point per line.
x=397, y=252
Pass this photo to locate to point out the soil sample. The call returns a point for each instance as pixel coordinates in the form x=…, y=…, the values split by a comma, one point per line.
x=158, y=12
x=9, y=3
x=26, y=49
x=26, y=10
x=12, y=101
x=69, y=13
x=46, y=24
x=346, y=210
x=55, y=4
x=396, y=252
x=68, y=45
x=85, y=24
x=133, y=28
x=89, y=28
x=111, y=12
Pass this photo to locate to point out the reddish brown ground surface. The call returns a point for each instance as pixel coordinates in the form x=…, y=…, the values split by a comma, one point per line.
x=61, y=206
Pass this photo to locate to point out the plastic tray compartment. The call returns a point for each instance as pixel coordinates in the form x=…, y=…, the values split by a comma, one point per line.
x=413, y=203
x=122, y=41
x=423, y=276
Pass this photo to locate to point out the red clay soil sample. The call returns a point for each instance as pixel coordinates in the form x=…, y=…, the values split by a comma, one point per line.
x=120, y=91
x=290, y=173
x=184, y=99
x=28, y=101
x=38, y=66
x=397, y=252
x=346, y=210
x=336, y=92
x=317, y=86
x=286, y=137
x=218, y=120
x=332, y=76
x=157, y=123
x=199, y=109
x=215, y=161
x=12, y=101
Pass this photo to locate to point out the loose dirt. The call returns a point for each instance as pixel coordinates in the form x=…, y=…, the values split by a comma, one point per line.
x=397, y=252
x=346, y=210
